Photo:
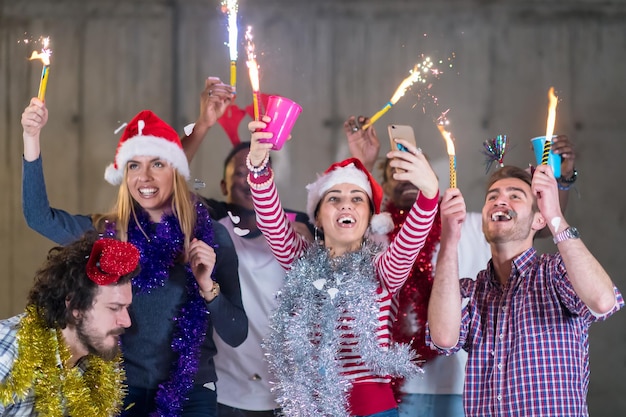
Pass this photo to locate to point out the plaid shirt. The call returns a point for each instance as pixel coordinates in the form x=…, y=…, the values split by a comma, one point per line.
x=8, y=354
x=528, y=341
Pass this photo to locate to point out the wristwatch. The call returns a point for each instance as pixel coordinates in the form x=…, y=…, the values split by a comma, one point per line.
x=569, y=233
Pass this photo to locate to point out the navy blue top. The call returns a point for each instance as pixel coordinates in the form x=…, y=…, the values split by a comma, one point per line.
x=146, y=344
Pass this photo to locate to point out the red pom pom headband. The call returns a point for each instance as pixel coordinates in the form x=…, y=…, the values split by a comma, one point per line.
x=110, y=259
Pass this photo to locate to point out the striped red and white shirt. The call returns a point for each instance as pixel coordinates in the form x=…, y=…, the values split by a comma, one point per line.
x=392, y=269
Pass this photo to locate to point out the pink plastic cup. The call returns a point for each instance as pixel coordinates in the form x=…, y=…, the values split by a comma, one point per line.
x=284, y=113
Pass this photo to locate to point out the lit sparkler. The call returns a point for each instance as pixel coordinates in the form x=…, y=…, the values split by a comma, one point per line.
x=230, y=8
x=419, y=73
x=44, y=57
x=253, y=71
x=553, y=100
x=442, y=125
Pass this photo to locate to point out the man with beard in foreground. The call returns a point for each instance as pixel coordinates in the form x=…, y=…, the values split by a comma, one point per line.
x=61, y=356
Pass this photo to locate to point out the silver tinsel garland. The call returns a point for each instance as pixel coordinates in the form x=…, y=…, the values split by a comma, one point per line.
x=321, y=296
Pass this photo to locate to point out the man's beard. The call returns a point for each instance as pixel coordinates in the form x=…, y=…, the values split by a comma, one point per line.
x=95, y=343
x=519, y=232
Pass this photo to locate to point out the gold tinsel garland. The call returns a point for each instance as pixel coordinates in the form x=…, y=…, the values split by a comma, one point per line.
x=97, y=392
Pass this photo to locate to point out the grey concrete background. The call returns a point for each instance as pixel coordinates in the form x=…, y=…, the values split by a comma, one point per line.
x=114, y=58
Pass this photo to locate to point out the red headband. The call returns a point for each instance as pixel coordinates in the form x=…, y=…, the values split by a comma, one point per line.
x=110, y=259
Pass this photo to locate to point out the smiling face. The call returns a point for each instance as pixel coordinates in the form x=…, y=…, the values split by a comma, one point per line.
x=150, y=181
x=235, y=185
x=98, y=329
x=344, y=215
x=510, y=212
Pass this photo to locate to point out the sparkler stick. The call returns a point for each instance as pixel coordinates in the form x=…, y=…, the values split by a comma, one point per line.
x=418, y=73
x=442, y=122
x=253, y=71
x=553, y=100
x=44, y=56
x=230, y=8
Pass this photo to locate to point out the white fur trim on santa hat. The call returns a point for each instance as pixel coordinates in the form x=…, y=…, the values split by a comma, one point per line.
x=343, y=175
x=146, y=146
x=381, y=224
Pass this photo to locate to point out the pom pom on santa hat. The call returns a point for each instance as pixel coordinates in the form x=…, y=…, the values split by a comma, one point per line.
x=147, y=135
x=350, y=171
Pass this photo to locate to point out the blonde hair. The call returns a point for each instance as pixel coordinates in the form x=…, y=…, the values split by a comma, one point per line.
x=124, y=208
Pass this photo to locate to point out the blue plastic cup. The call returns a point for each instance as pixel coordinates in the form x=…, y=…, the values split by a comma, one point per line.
x=554, y=160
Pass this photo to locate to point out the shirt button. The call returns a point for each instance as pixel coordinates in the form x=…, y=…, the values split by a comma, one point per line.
x=499, y=397
x=500, y=366
x=501, y=336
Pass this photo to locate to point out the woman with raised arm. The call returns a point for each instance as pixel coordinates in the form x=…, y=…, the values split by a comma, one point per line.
x=188, y=283
x=330, y=348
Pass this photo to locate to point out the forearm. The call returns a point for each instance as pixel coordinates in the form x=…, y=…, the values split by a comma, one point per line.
x=283, y=240
x=444, y=306
x=57, y=225
x=398, y=259
x=32, y=147
x=191, y=143
x=589, y=279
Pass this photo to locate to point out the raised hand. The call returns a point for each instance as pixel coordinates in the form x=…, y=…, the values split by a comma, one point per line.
x=363, y=144
x=414, y=167
x=34, y=118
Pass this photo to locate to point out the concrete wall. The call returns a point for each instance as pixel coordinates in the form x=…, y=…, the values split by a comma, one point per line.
x=336, y=58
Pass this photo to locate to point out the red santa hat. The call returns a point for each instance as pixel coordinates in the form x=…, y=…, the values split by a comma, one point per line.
x=147, y=135
x=350, y=171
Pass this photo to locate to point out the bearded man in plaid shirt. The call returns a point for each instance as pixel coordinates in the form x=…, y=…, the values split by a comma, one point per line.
x=525, y=320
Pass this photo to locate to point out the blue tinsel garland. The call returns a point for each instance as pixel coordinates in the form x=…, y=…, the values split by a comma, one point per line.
x=159, y=253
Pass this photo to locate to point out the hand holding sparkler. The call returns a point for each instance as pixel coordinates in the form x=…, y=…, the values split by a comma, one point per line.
x=34, y=118
x=363, y=144
x=214, y=100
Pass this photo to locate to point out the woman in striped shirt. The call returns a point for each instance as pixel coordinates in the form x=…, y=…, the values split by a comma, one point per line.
x=329, y=347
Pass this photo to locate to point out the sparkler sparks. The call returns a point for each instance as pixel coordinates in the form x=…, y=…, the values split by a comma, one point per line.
x=553, y=101
x=44, y=57
x=231, y=8
x=253, y=71
x=419, y=75
x=442, y=124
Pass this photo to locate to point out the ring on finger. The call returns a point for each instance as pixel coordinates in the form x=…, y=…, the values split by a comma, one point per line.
x=210, y=93
x=418, y=151
x=355, y=129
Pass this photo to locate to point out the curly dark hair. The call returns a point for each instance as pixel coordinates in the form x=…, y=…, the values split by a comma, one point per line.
x=63, y=279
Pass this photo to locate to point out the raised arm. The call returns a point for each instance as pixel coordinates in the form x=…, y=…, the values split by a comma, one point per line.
x=444, y=306
x=589, y=279
x=57, y=225
x=398, y=259
x=286, y=244
x=214, y=100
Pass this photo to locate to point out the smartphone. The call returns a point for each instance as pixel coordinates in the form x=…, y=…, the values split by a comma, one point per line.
x=400, y=132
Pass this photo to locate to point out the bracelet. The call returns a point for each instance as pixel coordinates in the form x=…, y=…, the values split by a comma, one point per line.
x=260, y=185
x=258, y=170
x=215, y=291
x=570, y=180
x=563, y=187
